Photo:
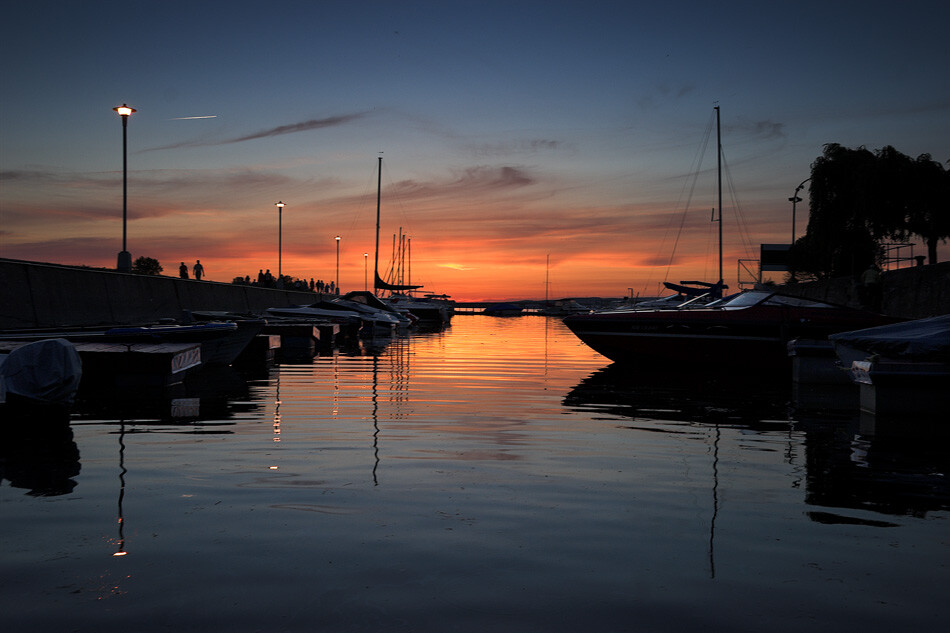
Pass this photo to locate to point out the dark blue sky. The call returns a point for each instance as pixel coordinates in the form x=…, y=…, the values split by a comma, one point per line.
x=511, y=130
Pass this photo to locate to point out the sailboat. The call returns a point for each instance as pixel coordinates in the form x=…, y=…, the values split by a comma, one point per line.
x=433, y=309
x=750, y=330
x=379, y=284
x=701, y=290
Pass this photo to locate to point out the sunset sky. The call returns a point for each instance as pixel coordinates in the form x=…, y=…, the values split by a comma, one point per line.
x=513, y=133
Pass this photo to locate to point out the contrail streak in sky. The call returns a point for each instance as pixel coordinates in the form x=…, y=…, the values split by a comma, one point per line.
x=303, y=126
x=183, y=118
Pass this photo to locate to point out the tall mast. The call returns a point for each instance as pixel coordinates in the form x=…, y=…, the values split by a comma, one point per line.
x=719, y=173
x=379, y=187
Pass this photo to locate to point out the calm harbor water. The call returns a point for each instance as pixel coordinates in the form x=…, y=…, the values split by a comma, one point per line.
x=497, y=476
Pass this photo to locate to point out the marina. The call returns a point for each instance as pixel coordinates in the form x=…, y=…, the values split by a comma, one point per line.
x=494, y=475
x=412, y=318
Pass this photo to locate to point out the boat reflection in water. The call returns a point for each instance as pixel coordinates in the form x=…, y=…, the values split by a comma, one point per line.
x=682, y=395
x=852, y=461
x=210, y=395
x=37, y=449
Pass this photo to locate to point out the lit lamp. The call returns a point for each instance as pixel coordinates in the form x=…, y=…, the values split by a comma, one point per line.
x=337, y=264
x=124, y=262
x=280, y=209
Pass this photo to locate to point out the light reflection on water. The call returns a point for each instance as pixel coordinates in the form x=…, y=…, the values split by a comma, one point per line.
x=495, y=476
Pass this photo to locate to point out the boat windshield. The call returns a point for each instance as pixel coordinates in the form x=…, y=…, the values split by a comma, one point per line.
x=760, y=297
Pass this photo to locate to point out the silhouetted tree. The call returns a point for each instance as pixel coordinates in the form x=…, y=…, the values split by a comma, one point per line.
x=929, y=212
x=146, y=266
x=858, y=199
x=839, y=240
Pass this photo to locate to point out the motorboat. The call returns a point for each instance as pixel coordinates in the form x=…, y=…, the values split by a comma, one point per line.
x=372, y=320
x=748, y=330
x=503, y=309
x=428, y=309
x=367, y=303
x=221, y=342
x=332, y=313
x=563, y=307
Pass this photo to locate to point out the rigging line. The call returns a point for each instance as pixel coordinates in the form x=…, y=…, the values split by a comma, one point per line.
x=691, y=183
x=741, y=223
x=395, y=199
x=369, y=189
x=663, y=245
x=694, y=169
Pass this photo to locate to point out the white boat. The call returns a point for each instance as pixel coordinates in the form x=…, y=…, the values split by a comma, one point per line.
x=430, y=309
x=564, y=307
x=368, y=305
x=371, y=321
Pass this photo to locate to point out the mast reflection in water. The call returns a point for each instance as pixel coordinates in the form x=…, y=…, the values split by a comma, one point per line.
x=496, y=475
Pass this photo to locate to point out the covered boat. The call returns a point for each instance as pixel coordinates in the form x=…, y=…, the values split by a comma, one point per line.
x=901, y=369
x=748, y=330
x=46, y=371
x=921, y=340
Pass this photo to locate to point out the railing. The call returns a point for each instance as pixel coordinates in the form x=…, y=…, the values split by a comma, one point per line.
x=893, y=255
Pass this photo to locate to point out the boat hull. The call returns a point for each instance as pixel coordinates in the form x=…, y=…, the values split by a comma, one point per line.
x=753, y=338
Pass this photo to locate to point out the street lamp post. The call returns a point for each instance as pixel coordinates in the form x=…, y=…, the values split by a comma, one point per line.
x=337, y=264
x=124, y=261
x=365, y=275
x=795, y=200
x=280, y=229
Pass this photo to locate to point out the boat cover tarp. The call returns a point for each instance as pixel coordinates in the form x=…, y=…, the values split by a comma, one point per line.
x=922, y=339
x=47, y=370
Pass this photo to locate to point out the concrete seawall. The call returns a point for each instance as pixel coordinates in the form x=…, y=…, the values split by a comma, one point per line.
x=48, y=295
x=915, y=293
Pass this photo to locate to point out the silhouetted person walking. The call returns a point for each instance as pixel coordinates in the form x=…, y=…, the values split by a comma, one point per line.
x=199, y=270
x=183, y=271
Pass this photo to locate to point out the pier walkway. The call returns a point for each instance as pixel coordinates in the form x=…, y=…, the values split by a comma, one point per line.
x=38, y=295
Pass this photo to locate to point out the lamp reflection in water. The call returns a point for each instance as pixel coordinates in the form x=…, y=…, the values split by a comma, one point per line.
x=277, y=410
x=277, y=403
